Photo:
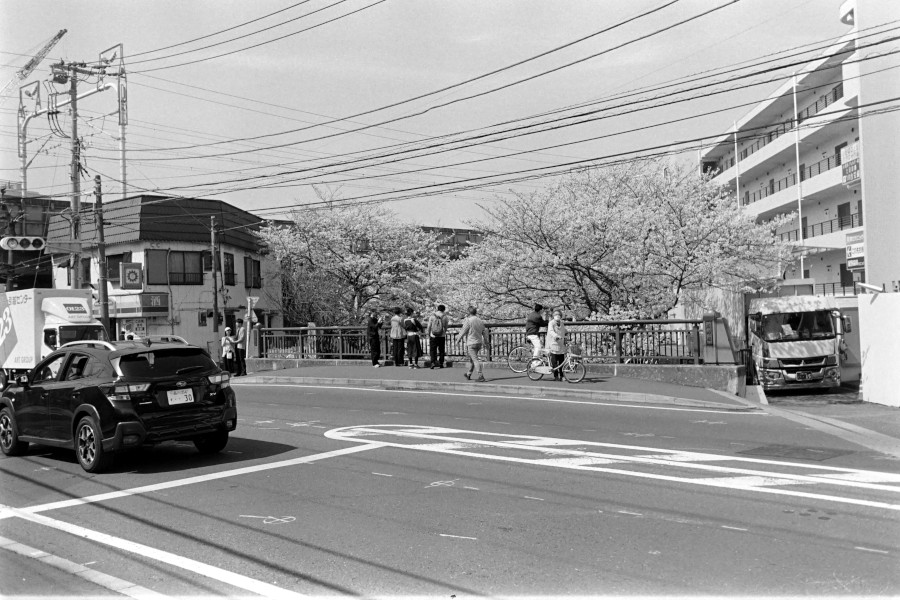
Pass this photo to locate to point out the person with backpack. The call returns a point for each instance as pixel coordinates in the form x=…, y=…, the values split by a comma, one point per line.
x=437, y=336
x=412, y=326
x=473, y=334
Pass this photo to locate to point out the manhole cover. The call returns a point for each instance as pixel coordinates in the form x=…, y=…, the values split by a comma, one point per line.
x=801, y=452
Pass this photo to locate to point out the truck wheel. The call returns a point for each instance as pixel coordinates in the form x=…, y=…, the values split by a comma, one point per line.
x=212, y=443
x=9, y=434
x=89, y=446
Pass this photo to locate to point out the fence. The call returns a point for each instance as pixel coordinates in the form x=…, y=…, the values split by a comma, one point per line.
x=650, y=342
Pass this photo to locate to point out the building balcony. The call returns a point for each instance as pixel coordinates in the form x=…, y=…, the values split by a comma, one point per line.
x=816, y=178
x=837, y=228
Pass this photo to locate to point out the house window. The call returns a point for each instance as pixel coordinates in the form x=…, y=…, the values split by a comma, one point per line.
x=113, y=264
x=228, y=273
x=252, y=274
x=207, y=262
x=157, y=267
x=185, y=268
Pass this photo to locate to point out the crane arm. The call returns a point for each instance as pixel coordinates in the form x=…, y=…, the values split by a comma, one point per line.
x=33, y=62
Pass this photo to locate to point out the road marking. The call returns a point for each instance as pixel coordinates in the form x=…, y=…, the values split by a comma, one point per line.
x=734, y=528
x=381, y=474
x=633, y=514
x=182, y=562
x=271, y=520
x=459, y=537
x=533, y=498
x=442, y=483
x=638, y=406
x=445, y=440
x=109, y=582
x=7, y=512
x=871, y=550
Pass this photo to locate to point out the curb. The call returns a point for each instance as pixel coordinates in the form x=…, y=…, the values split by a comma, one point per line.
x=527, y=391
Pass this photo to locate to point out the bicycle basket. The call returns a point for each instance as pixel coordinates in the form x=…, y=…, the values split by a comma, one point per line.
x=575, y=349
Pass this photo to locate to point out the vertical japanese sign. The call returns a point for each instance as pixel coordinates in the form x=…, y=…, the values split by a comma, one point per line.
x=856, y=251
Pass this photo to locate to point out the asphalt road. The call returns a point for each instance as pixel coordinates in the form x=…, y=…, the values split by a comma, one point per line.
x=326, y=490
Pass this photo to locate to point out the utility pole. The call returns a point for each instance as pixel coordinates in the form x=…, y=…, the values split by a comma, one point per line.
x=75, y=176
x=214, y=260
x=98, y=219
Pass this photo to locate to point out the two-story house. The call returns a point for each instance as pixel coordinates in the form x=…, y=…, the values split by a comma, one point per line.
x=159, y=255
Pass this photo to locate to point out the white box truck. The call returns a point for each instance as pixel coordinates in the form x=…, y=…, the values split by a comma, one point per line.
x=797, y=341
x=35, y=322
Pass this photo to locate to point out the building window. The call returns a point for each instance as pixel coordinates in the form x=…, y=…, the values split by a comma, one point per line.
x=86, y=272
x=207, y=262
x=157, y=267
x=185, y=268
x=228, y=273
x=252, y=274
x=113, y=264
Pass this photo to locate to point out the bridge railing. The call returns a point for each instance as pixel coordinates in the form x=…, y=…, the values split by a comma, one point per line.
x=648, y=342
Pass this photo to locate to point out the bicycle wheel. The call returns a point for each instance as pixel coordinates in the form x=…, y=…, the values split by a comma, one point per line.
x=518, y=359
x=574, y=372
x=532, y=364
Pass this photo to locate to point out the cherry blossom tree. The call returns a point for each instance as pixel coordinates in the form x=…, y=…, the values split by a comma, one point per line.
x=621, y=241
x=339, y=262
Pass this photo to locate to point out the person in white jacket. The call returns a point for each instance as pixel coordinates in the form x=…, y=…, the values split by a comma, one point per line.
x=556, y=343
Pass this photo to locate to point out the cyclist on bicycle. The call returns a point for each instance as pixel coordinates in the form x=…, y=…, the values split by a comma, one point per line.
x=556, y=343
x=533, y=325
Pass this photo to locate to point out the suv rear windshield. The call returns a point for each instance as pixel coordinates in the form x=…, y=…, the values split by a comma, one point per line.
x=170, y=362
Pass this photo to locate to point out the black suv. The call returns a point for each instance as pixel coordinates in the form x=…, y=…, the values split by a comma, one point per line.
x=99, y=397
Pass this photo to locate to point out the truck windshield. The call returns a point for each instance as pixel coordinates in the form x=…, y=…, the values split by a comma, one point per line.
x=74, y=333
x=783, y=327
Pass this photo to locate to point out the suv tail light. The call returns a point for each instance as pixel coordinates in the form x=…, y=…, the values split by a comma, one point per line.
x=223, y=380
x=122, y=392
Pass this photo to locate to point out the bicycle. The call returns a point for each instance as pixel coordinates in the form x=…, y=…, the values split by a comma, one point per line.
x=572, y=368
x=518, y=358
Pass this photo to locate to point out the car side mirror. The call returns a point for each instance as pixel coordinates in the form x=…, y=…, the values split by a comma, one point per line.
x=22, y=380
x=848, y=325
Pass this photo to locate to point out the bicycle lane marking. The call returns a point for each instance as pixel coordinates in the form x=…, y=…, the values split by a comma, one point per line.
x=467, y=443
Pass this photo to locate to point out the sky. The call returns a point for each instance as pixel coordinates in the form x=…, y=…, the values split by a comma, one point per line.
x=432, y=108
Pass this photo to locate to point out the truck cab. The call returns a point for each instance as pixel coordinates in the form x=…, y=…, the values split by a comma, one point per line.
x=797, y=342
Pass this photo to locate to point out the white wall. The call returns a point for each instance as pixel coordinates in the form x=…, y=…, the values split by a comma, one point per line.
x=879, y=334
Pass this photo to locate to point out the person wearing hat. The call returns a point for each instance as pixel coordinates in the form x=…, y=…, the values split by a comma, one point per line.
x=240, y=348
x=228, y=351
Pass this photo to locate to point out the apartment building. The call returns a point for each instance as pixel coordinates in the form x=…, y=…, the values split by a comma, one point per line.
x=822, y=148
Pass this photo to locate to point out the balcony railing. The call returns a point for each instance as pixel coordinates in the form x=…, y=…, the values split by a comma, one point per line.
x=834, y=289
x=767, y=137
x=228, y=278
x=185, y=278
x=824, y=228
x=826, y=164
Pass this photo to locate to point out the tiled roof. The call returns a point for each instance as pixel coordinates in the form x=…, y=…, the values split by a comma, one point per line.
x=156, y=218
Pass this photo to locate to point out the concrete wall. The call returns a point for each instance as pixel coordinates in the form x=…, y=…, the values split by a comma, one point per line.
x=879, y=332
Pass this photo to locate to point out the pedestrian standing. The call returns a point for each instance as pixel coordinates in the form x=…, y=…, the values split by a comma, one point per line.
x=533, y=325
x=240, y=345
x=227, y=343
x=374, y=331
x=472, y=335
x=556, y=343
x=437, y=336
x=413, y=327
x=398, y=337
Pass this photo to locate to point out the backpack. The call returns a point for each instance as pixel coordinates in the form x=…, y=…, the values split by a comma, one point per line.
x=410, y=325
x=437, y=326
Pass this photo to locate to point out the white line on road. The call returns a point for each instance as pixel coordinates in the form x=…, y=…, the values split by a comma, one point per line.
x=459, y=537
x=7, y=512
x=114, y=584
x=533, y=498
x=633, y=514
x=381, y=474
x=734, y=528
x=871, y=550
x=240, y=581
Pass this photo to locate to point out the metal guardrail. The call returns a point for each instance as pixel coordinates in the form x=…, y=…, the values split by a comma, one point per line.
x=646, y=342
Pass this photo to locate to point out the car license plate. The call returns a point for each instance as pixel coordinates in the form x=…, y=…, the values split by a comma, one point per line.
x=802, y=375
x=180, y=396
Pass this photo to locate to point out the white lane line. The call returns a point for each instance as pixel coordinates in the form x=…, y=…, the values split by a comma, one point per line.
x=533, y=498
x=5, y=512
x=871, y=550
x=182, y=562
x=468, y=487
x=109, y=582
x=459, y=537
x=734, y=528
x=633, y=514
x=381, y=474
x=635, y=405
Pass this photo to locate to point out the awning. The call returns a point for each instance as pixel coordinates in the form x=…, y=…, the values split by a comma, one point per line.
x=144, y=304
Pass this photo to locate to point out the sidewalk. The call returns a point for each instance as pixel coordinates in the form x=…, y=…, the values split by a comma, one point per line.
x=502, y=381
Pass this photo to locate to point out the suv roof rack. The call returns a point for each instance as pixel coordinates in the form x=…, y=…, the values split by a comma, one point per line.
x=90, y=344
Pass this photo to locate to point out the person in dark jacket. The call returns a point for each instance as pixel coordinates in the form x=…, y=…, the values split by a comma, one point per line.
x=533, y=325
x=437, y=336
x=398, y=337
x=413, y=346
x=374, y=331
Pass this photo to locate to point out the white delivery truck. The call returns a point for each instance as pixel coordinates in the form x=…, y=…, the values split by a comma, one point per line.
x=35, y=322
x=797, y=341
